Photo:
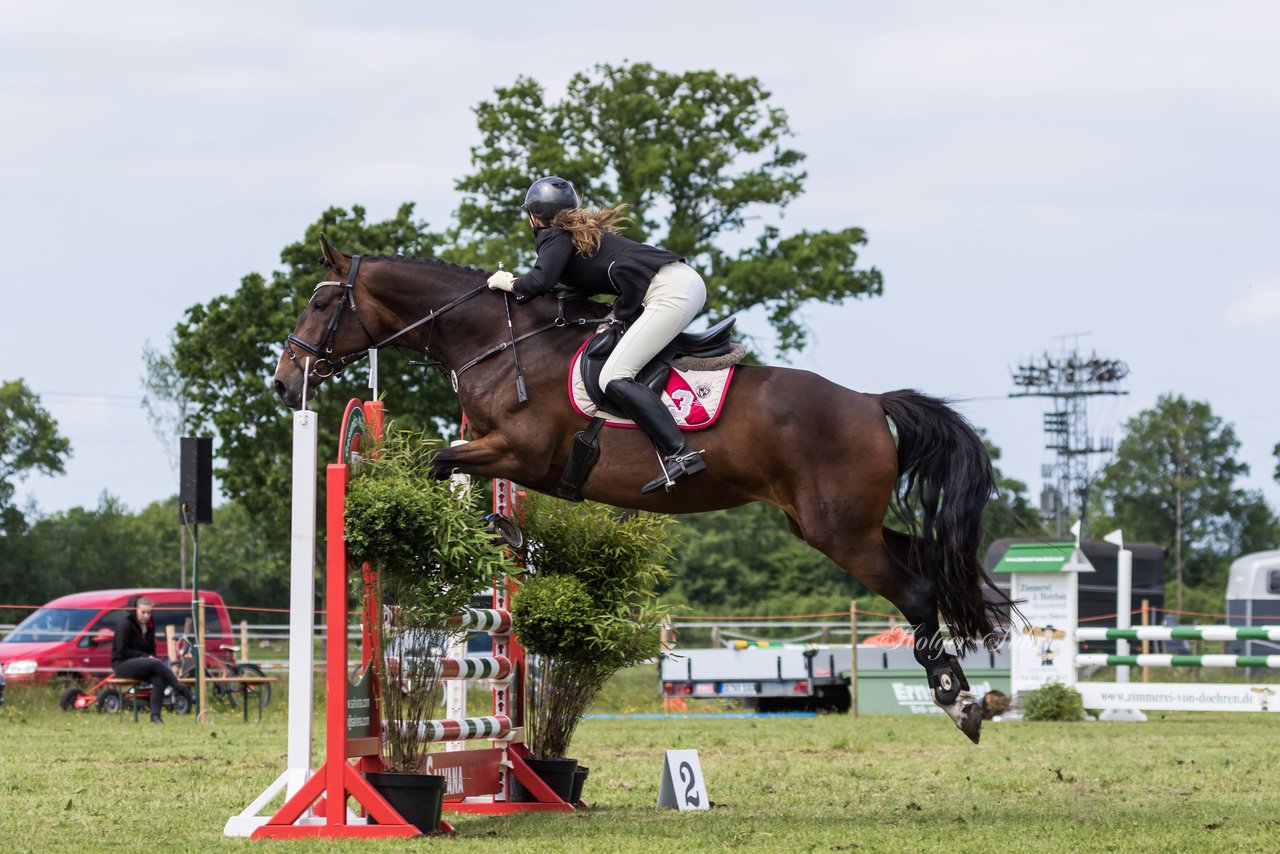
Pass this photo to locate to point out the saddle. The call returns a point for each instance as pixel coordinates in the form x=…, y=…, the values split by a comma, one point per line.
x=712, y=350
x=714, y=343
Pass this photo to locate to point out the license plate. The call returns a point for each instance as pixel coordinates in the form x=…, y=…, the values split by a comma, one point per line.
x=738, y=688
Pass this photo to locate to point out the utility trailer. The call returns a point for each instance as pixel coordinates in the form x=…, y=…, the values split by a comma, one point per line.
x=764, y=677
x=815, y=677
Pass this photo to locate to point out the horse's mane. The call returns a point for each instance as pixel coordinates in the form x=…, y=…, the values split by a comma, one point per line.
x=411, y=259
x=582, y=301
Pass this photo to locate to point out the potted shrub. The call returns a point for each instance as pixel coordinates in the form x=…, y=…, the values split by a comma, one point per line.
x=431, y=553
x=586, y=608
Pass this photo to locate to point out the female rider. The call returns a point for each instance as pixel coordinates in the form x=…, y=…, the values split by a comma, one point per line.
x=657, y=295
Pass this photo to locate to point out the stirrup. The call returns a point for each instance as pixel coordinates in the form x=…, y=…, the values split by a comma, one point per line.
x=675, y=467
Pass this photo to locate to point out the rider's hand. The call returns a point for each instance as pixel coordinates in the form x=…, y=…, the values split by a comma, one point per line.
x=502, y=281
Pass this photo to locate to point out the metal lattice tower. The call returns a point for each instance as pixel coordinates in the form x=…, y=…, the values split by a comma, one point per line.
x=1069, y=380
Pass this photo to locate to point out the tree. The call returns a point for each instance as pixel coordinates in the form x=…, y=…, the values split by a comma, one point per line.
x=29, y=439
x=694, y=155
x=1173, y=481
x=225, y=352
x=1010, y=514
x=746, y=561
x=700, y=152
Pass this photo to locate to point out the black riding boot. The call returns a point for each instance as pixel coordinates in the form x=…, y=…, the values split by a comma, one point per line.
x=641, y=405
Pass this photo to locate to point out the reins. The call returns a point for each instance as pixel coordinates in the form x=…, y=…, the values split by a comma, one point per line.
x=326, y=366
x=560, y=321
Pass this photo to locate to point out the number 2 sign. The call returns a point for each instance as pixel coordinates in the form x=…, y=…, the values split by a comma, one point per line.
x=682, y=784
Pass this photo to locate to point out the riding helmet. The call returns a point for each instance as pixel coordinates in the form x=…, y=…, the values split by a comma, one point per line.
x=548, y=196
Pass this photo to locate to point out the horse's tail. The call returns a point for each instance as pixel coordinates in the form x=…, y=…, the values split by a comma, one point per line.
x=946, y=479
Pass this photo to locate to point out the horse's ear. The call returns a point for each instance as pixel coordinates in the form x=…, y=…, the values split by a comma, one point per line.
x=333, y=259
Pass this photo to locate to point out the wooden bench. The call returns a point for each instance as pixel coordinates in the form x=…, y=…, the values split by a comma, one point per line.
x=129, y=688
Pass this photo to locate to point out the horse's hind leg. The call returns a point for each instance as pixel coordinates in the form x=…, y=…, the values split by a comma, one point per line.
x=919, y=604
x=879, y=560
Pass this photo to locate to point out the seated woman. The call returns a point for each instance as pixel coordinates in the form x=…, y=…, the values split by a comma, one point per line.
x=133, y=656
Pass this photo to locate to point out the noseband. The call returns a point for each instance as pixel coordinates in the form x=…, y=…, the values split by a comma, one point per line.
x=325, y=365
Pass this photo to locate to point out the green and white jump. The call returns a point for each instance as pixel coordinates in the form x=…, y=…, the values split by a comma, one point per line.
x=1044, y=579
x=1086, y=659
x=1168, y=633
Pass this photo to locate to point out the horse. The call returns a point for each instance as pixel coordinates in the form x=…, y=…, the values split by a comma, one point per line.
x=833, y=460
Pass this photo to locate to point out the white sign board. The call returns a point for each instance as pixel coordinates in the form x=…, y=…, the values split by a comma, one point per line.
x=1041, y=654
x=1190, y=696
x=682, y=785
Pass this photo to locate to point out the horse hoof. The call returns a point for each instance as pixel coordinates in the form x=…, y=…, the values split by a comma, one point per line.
x=971, y=722
x=967, y=715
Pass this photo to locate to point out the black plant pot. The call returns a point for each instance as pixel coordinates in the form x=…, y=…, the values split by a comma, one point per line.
x=556, y=773
x=579, y=780
x=419, y=798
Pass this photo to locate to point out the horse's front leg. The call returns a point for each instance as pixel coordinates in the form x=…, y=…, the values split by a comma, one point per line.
x=489, y=456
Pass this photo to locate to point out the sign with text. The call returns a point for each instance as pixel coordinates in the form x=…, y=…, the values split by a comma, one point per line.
x=682, y=785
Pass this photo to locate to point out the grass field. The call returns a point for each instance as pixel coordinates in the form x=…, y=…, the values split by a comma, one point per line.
x=1182, y=782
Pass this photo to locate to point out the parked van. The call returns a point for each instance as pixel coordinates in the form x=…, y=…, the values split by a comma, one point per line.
x=70, y=638
x=1253, y=599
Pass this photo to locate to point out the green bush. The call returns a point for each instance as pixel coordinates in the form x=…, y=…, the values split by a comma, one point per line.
x=432, y=554
x=554, y=615
x=587, y=609
x=1053, y=702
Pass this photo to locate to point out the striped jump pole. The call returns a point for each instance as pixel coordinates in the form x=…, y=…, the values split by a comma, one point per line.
x=495, y=621
x=1166, y=633
x=1152, y=660
x=476, y=667
x=464, y=729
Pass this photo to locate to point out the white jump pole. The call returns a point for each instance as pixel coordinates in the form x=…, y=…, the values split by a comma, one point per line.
x=1124, y=605
x=302, y=567
x=455, y=693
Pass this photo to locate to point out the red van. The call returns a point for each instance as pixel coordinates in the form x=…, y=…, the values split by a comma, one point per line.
x=69, y=639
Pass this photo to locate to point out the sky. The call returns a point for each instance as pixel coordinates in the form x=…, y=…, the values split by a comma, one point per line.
x=1031, y=177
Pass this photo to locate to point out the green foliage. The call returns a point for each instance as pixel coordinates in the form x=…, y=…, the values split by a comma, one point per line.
x=696, y=153
x=29, y=440
x=432, y=554
x=555, y=615
x=1010, y=514
x=426, y=540
x=1053, y=702
x=1173, y=482
x=699, y=152
x=617, y=555
x=746, y=561
x=587, y=610
x=223, y=352
x=112, y=546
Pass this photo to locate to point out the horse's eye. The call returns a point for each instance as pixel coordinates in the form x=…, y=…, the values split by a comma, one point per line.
x=320, y=305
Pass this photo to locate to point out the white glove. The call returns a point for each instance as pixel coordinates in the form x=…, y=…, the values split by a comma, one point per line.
x=502, y=281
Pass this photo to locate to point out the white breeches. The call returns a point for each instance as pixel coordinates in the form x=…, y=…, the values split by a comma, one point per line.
x=675, y=296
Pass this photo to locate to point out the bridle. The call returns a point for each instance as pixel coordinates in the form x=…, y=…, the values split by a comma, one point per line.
x=326, y=366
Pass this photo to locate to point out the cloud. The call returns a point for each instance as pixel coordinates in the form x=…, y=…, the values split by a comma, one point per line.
x=1256, y=307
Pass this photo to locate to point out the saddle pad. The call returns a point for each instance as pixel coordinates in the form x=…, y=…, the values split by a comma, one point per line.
x=695, y=398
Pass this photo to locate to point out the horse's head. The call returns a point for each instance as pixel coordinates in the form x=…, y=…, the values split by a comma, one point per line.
x=330, y=333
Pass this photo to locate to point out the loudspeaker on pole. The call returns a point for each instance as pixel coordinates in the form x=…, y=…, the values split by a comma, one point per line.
x=195, y=492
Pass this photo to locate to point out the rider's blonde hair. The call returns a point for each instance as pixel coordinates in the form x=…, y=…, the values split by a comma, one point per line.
x=587, y=227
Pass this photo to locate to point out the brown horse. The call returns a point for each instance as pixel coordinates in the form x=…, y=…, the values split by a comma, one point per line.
x=827, y=456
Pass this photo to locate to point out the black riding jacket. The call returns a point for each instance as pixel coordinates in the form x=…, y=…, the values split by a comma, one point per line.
x=620, y=266
x=132, y=640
